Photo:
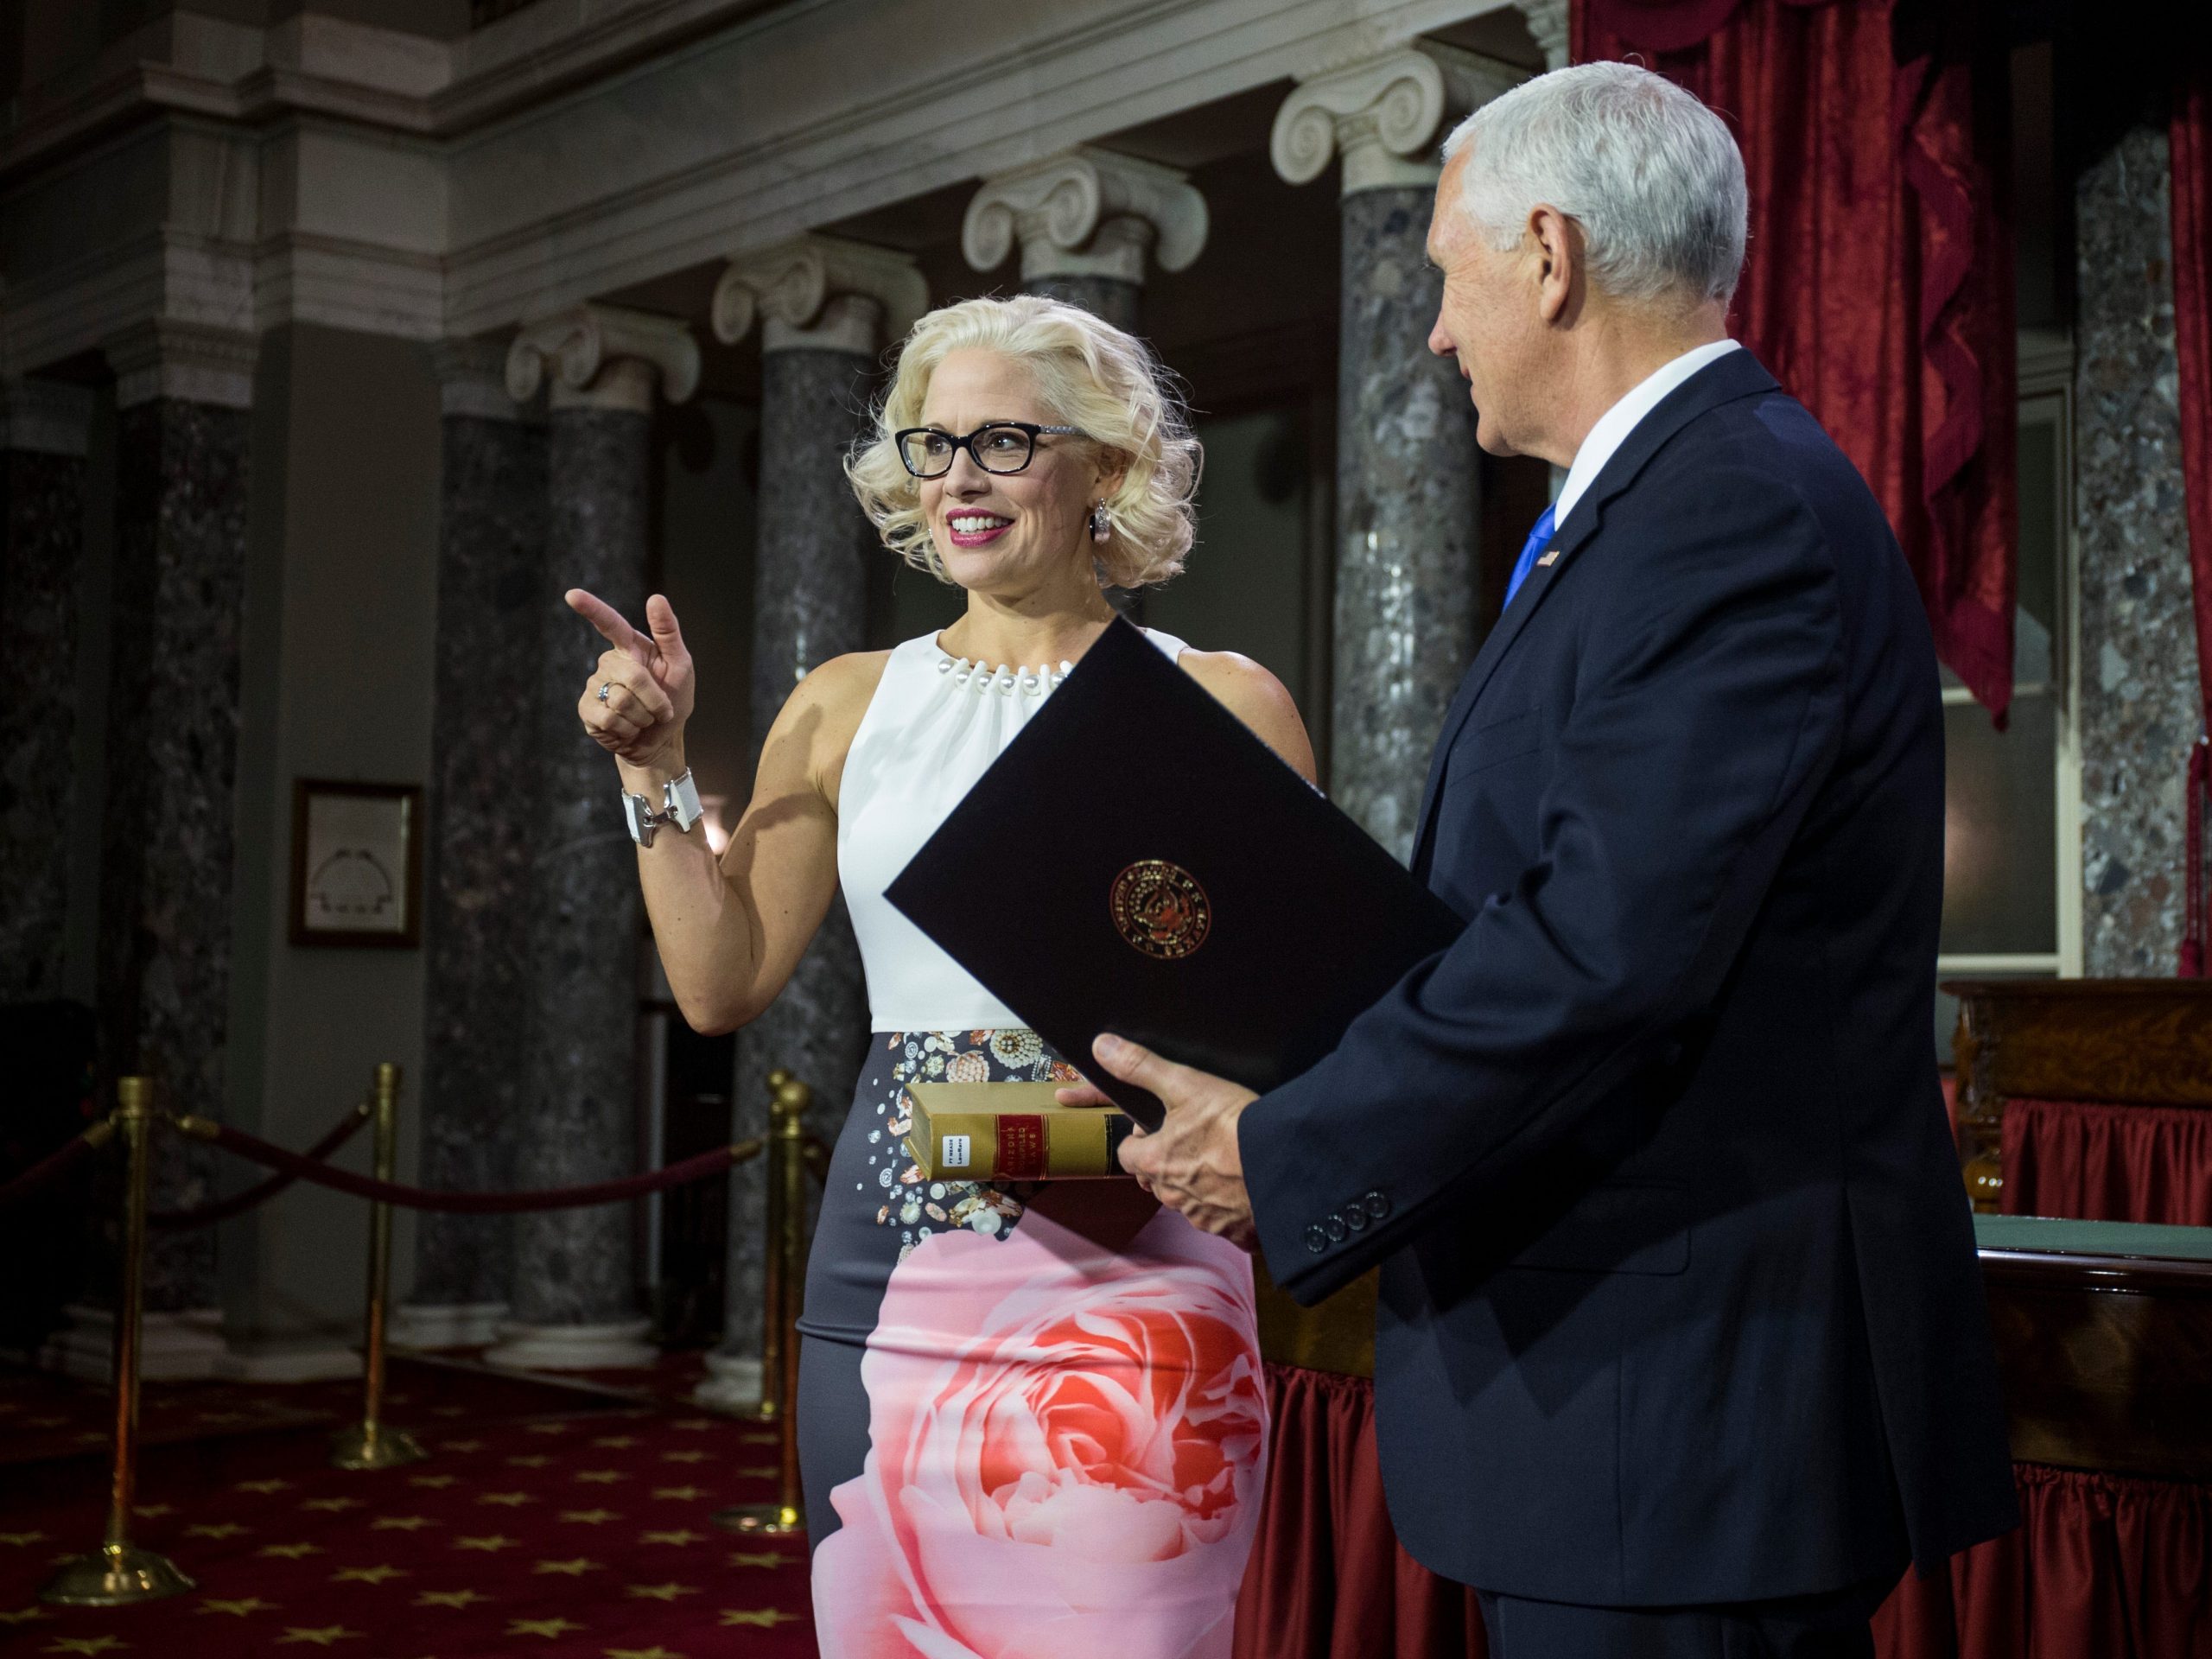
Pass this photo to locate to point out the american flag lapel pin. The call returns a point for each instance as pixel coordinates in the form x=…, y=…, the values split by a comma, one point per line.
x=1548, y=557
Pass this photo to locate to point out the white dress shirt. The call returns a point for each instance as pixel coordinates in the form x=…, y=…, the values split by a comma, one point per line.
x=1616, y=423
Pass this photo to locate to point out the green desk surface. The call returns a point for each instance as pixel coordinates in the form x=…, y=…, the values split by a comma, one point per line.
x=2045, y=1233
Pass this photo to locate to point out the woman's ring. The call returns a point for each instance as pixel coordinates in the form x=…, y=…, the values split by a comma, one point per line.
x=604, y=690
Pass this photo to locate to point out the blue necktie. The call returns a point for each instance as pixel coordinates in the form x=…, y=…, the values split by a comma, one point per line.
x=1539, y=539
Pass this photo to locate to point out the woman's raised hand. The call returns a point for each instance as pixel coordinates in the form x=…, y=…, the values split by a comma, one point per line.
x=642, y=691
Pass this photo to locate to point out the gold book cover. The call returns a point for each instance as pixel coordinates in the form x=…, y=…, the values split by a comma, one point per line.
x=1011, y=1132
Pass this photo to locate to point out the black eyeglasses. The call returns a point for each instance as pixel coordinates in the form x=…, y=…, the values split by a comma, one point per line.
x=1002, y=447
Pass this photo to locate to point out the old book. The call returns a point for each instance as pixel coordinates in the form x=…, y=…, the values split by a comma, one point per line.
x=1010, y=1132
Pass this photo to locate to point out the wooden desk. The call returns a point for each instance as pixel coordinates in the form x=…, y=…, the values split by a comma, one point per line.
x=2127, y=1042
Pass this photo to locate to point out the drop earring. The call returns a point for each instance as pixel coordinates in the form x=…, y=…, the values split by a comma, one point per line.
x=1101, y=525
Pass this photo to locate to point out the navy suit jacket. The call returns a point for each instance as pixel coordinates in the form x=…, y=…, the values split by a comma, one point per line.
x=1679, y=1294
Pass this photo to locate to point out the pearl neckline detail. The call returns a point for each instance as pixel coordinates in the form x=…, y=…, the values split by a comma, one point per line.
x=979, y=676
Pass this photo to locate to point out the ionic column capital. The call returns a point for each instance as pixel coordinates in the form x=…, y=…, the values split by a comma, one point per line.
x=1087, y=212
x=1547, y=23
x=473, y=380
x=1381, y=113
x=820, y=291
x=46, y=417
x=193, y=362
x=604, y=357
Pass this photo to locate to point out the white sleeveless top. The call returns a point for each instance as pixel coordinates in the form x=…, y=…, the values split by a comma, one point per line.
x=935, y=723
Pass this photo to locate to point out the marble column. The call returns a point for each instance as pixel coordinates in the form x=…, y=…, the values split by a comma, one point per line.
x=1407, y=462
x=1086, y=222
x=2138, y=683
x=825, y=307
x=493, y=597
x=44, y=429
x=1548, y=25
x=575, y=1289
x=184, y=393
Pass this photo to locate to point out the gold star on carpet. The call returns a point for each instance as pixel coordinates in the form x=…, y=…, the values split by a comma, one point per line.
x=693, y=1423
x=766, y=1617
x=242, y=1607
x=762, y=1439
x=589, y=1517
x=685, y=1456
x=654, y=1652
x=463, y=1445
x=91, y=1437
x=46, y=1422
x=600, y=1476
x=574, y=1569
x=680, y=1536
x=25, y=1616
x=536, y=1460
x=332, y=1505
x=616, y=1442
x=322, y=1639
x=367, y=1574
x=682, y=1494
x=436, y=1483
x=552, y=1627
x=270, y=1485
x=401, y=1523
x=215, y=1529
x=760, y=1471
x=450, y=1598
x=767, y=1558
x=22, y=1538
x=661, y=1592
x=223, y=1416
x=291, y=1552
x=491, y=1543
x=87, y=1644
x=152, y=1511
x=448, y=1411
x=547, y=1429
x=510, y=1499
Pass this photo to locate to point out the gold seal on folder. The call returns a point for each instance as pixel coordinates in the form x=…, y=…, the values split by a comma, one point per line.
x=1160, y=909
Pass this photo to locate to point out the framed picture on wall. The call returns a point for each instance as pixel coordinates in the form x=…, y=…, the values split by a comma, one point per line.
x=357, y=863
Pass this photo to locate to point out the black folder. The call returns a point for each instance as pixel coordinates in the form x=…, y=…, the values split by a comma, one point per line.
x=1137, y=861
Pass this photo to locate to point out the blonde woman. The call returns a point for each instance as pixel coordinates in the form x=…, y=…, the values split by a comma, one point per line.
x=1031, y=1419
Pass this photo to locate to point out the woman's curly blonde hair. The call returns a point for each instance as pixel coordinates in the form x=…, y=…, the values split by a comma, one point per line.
x=1089, y=375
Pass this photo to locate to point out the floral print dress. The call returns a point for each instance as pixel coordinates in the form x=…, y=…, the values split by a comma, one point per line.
x=1030, y=1417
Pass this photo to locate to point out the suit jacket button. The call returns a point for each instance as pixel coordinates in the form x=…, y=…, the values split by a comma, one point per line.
x=1377, y=1205
x=1356, y=1218
x=1337, y=1230
x=1316, y=1240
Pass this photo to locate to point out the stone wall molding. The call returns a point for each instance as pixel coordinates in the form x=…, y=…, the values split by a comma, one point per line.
x=1382, y=114
x=1546, y=20
x=1087, y=212
x=45, y=417
x=800, y=291
x=604, y=356
x=473, y=380
x=190, y=362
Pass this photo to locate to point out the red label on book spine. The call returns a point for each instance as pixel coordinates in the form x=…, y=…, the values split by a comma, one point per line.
x=1021, y=1147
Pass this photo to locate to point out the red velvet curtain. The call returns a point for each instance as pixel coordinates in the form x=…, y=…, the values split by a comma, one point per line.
x=1878, y=284
x=2102, y=1568
x=2107, y=1163
x=2191, y=133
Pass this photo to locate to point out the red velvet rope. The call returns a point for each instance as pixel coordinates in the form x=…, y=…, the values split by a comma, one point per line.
x=49, y=1168
x=260, y=1193
x=477, y=1203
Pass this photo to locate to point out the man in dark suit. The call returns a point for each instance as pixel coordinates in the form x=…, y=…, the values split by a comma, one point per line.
x=1682, y=1347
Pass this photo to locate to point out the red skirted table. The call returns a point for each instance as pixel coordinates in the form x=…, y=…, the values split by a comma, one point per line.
x=2104, y=1335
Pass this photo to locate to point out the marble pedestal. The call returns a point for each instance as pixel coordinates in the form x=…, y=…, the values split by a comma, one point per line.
x=1407, y=511
x=575, y=1292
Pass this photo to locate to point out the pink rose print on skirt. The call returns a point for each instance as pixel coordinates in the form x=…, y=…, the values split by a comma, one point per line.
x=1066, y=1452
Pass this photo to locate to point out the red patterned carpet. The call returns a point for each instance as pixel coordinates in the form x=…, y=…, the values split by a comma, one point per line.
x=547, y=1521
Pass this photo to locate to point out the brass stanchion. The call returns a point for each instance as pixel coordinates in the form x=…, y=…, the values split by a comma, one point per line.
x=371, y=1443
x=784, y=1288
x=117, y=1573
